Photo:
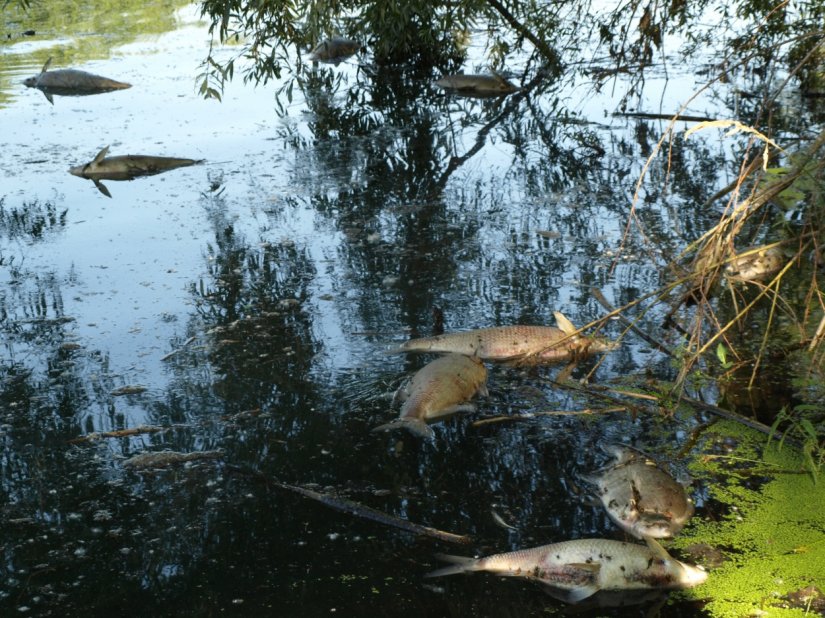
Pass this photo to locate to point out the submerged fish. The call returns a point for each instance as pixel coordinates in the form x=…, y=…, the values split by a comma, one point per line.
x=126, y=167
x=334, y=50
x=477, y=85
x=440, y=388
x=71, y=82
x=757, y=264
x=583, y=567
x=517, y=344
x=640, y=497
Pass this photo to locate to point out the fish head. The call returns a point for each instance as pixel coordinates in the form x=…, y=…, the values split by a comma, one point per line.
x=656, y=526
x=597, y=345
x=78, y=170
x=672, y=573
x=31, y=82
x=691, y=575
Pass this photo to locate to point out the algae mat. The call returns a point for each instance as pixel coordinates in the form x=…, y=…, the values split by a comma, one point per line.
x=764, y=522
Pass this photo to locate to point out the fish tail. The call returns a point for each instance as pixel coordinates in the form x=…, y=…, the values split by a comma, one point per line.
x=460, y=564
x=415, y=426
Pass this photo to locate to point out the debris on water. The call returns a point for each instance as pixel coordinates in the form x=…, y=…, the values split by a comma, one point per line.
x=119, y=433
x=128, y=390
x=704, y=554
x=165, y=458
x=500, y=521
x=809, y=598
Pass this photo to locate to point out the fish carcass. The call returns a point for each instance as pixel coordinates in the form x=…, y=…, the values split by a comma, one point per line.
x=334, y=50
x=757, y=263
x=477, y=85
x=516, y=344
x=583, y=567
x=640, y=497
x=126, y=167
x=71, y=82
x=439, y=389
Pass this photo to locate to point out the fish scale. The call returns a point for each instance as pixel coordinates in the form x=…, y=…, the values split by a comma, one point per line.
x=510, y=343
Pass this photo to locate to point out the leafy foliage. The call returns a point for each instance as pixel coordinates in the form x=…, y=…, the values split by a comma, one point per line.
x=273, y=33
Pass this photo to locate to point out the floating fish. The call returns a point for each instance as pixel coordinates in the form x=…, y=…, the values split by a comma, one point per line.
x=576, y=570
x=439, y=389
x=515, y=344
x=126, y=167
x=640, y=497
x=477, y=85
x=757, y=264
x=334, y=50
x=71, y=82
x=162, y=459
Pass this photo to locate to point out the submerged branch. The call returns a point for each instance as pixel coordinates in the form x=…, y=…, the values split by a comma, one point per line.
x=356, y=509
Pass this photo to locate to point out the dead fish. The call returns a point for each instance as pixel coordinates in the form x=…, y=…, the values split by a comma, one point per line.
x=516, y=344
x=477, y=85
x=757, y=264
x=162, y=459
x=334, y=50
x=583, y=567
x=71, y=82
x=641, y=498
x=440, y=388
x=126, y=167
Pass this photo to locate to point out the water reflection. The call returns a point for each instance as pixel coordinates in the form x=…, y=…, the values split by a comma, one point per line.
x=400, y=205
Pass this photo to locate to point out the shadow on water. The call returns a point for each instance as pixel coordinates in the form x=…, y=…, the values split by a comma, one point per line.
x=398, y=204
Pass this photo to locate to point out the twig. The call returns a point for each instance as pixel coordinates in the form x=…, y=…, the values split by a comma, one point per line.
x=672, y=116
x=597, y=294
x=358, y=510
x=531, y=415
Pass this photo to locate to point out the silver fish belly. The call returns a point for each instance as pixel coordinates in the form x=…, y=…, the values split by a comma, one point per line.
x=439, y=389
x=585, y=566
x=641, y=498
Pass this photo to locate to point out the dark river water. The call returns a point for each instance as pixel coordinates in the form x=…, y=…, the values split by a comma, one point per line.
x=243, y=308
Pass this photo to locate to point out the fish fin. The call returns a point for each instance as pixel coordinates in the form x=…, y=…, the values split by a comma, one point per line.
x=500, y=520
x=415, y=426
x=463, y=407
x=46, y=66
x=99, y=156
x=459, y=564
x=581, y=593
x=102, y=188
x=564, y=324
x=657, y=548
x=483, y=391
x=49, y=97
